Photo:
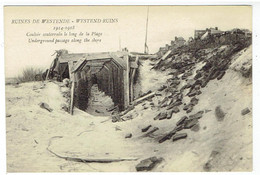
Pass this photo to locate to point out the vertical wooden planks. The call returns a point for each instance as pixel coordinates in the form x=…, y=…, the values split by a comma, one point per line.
x=126, y=81
x=70, y=63
x=132, y=78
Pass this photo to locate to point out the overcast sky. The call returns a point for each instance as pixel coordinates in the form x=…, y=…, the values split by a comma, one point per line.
x=165, y=22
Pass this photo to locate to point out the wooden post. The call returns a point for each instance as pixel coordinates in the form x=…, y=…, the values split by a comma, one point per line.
x=70, y=63
x=72, y=79
x=46, y=78
x=126, y=82
x=132, y=79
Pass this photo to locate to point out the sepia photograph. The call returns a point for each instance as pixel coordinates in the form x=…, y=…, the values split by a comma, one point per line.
x=143, y=88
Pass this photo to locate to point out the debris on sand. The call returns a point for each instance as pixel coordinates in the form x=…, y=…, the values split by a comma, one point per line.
x=196, y=127
x=129, y=135
x=148, y=164
x=146, y=128
x=148, y=134
x=245, y=111
x=219, y=113
x=190, y=123
x=209, y=164
x=179, y=136
x=181, y=121
x=45, y=106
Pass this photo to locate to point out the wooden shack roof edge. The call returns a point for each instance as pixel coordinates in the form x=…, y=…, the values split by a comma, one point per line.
x=65, y=58
x=81, y=59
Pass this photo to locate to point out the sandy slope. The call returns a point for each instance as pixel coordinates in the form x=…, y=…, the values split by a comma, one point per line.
x=30, y=128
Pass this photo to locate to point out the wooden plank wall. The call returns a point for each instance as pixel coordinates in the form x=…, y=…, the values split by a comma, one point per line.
x=115, y=80
x=110, y=80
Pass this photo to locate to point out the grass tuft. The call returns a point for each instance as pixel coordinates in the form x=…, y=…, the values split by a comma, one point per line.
x=30, y=74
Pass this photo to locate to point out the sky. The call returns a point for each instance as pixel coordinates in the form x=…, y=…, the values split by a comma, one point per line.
x=165, y=22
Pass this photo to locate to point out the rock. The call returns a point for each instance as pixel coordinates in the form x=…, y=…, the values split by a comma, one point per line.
x=175, y=83
x=66, y=82
x=214, y=75
x=168, y=136
x=177, y=103
x=146, y=128
x=45, y=106
x=198, y=115
x=152, y=131
x=129, y=135
x=204, y=83
x=164, y=101
x=194, y=101
x=197, y=87
x=148, y=164
x=163, y=116
x=192, y=93
x=219, y=113
x=175, y=109
x=162, y=88
x=181, y=121
x=179, y=136
x=221, y=74
x=178, y=128
x=190, y=108
x=196, y=127
x=190, y=123
x=157, y=117
x=186, y=107
x=116, y=118
x=245, y=111
x=198, y=92
x=169, y=114
x=198, y=75
x=8, y=115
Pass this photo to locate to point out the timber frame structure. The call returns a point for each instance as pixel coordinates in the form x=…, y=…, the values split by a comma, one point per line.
x=113, y=72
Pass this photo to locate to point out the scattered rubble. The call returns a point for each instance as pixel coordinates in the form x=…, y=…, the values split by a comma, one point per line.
x=245, y=111
x=219, y=113
x=182, y=120
x=129, y=135
x=146, y=128
x=45, y=106
x=151, y=132
x=189, y=123
x=148, y=164
x=179, y=136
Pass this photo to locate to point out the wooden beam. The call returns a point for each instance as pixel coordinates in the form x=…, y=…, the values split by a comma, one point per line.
x=78, y=64
x=95, y=63
x=165, y=55
x=119, y=60
x=139, y=100
x=47, y=76
x=126, y=81
x=72, y=79
x=70, y=64
x=132, y=78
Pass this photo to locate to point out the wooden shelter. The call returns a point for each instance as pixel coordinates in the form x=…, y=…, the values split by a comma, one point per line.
x=113, y=72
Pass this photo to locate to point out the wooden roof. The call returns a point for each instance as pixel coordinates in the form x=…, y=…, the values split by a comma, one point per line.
x=82, y=59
